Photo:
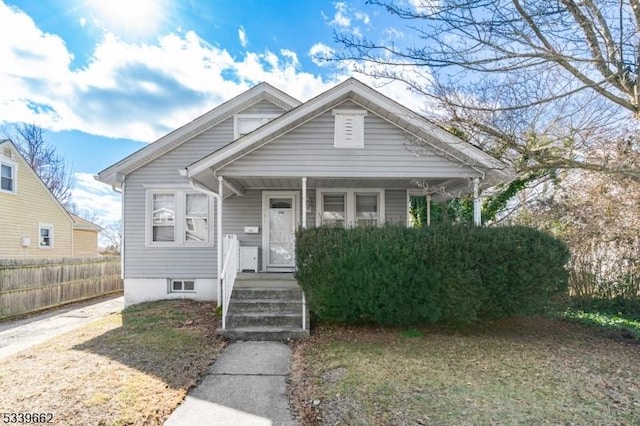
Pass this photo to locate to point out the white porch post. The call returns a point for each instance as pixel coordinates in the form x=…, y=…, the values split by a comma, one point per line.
x=477, y=218
x=304, y=202
x=428, y=209
x=220, y=248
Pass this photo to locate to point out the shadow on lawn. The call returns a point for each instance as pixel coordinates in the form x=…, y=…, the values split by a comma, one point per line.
x=172, y=340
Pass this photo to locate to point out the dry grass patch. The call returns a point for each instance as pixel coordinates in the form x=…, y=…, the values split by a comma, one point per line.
x=519, y=371
x=129, y=368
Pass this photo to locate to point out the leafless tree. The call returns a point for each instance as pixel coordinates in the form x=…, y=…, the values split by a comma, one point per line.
x=45, y=161
x=535, y=82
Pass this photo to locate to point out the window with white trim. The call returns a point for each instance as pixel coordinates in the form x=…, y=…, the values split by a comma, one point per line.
x=334, y=209
x=8, y=176
x=350, y=207
x=349, y=128
x=247, y=123
x=366, y=206
x=45, y=236
x=178, y=218
x=182, y=286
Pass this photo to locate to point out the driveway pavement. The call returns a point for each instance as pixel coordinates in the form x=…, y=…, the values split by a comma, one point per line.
x=18, y=335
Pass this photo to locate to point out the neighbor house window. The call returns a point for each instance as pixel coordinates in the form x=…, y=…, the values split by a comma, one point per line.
x=7, y=177
x=45, y=233
x=349, y=128
x=181, y=286
x=247, y=123
x=350, y=207
x=179, y=217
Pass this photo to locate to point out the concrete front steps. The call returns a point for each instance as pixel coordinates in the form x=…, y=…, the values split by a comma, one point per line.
x=265, y=307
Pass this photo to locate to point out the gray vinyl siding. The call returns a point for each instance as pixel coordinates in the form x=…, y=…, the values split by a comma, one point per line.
x=239, y=212
x=174, y=261
x=308, y=151
x=395, y=206
x=263, y=107
x=180, y=261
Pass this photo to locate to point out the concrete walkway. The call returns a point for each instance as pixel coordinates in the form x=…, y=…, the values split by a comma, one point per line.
x=245, y=386
x=18, y=335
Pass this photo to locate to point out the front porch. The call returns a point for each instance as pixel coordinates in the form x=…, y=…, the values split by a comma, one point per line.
x=266, y=306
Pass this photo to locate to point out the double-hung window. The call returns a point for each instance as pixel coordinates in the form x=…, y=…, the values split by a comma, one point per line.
x=350, y=207
x=178, y=218
x=334, y=209
x=8, y=176
x=45, y=236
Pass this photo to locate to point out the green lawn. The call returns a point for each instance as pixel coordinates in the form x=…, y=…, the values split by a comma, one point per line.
x=518, y=371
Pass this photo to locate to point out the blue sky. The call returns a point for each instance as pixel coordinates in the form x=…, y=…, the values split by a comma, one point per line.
x=106, y=77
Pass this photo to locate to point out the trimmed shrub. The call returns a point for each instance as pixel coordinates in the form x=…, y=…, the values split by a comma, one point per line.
x=396, y=275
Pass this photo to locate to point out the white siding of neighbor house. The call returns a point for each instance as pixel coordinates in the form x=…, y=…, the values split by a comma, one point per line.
x=308, y=150
x=174, y=261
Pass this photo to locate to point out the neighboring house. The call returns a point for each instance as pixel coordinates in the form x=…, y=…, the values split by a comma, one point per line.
x=33, y=223
x=348, y=157
x=85, y=237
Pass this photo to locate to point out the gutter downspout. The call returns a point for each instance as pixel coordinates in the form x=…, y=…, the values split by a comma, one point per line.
x=201, y=188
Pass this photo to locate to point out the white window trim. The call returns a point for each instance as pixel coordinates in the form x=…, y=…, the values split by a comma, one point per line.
x=238, y=117
x=180, y=218
x=14, y=175
x=339, y=139
x=182, y=280
x=350, y=207
x=48, y=226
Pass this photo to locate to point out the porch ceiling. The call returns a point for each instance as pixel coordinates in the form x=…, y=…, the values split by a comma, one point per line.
x=440, y=188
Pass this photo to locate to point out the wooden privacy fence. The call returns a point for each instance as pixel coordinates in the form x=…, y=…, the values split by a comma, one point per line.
x=28, y=285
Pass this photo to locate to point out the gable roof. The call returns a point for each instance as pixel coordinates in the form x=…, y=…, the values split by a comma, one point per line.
x=83, y=224
x=25, y=164
x=115, y=173
x=442, y=142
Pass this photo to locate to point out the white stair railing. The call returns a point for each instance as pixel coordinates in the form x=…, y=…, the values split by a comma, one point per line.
x=229, y=273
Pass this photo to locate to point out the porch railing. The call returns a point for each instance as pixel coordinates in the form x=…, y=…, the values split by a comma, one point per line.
x=229, y=273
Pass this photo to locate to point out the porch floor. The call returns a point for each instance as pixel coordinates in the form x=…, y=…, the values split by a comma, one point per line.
x=266, y=280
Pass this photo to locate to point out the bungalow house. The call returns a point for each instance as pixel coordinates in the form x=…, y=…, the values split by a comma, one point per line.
x=227, y=191
x=33, y=223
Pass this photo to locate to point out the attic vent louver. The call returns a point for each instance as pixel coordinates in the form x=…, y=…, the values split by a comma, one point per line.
x=349, y=128
x=7, y=152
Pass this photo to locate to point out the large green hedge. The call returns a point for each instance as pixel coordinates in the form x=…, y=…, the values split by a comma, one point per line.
x=448, y=273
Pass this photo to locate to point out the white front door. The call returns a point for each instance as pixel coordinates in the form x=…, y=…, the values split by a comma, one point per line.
x=280, y=218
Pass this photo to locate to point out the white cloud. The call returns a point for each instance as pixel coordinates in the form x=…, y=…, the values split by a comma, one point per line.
x=340, y=18
x=97, y=197
x=133, y=90
x=319, y=51
x=361, y=16
x=424, y=6
x=393, y=33
x=82, y=22
x=242, y=35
